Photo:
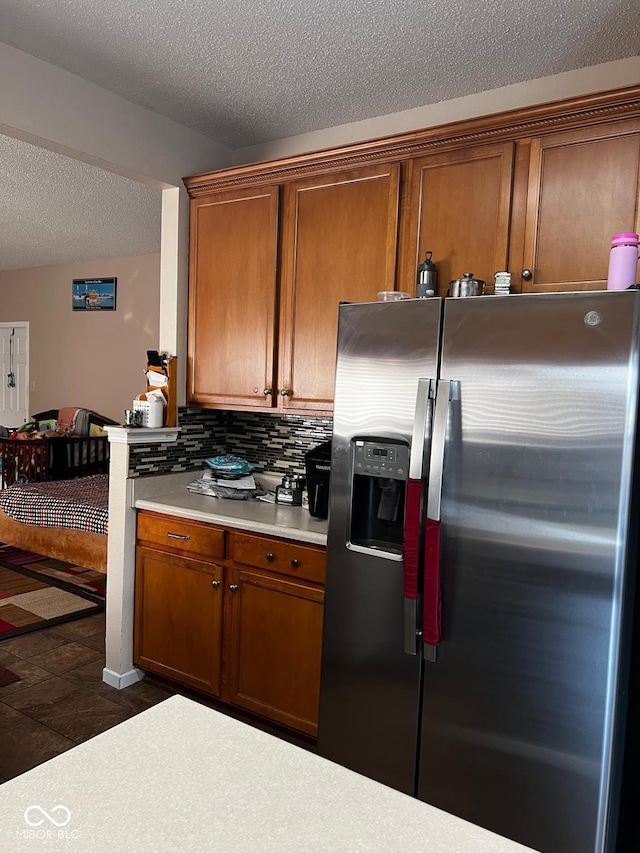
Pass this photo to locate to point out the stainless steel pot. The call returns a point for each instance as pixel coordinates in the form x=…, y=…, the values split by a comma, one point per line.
x=466, y=286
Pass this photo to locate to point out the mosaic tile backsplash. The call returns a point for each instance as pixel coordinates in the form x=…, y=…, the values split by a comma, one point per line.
x=275, y=444
x=272, y=443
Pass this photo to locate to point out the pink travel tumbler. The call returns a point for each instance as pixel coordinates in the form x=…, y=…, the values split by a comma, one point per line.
x=623, y=261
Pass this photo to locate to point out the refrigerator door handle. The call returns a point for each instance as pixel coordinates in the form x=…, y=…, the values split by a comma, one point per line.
x=413, y=513
x=431, y=602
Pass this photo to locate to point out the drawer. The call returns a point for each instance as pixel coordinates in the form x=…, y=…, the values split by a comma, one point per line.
x=180, y=535
x=285, y=558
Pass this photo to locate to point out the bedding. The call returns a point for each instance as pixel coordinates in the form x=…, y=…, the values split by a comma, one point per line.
x=80, y=504
x=65, y=515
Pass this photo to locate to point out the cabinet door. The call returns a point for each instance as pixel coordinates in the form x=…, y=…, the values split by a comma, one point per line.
x=274, y=648
x=583, y=189
x=232, y=298
x=458, y=207
x=339, y=244
x=178, y=618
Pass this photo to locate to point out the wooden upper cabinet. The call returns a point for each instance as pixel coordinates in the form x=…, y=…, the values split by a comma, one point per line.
x=583, y=188
x=458, y=207
x=233, y=297
x=339, y=244
x=276, y=246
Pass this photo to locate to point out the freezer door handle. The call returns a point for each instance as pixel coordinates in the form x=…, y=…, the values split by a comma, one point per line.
x=413, y=511
x=421, y=435
x=436, y=463
x=431, y=601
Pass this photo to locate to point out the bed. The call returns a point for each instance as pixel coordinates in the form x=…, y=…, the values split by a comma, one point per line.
x=66, y=520
x=59, y=447
x=54, y=496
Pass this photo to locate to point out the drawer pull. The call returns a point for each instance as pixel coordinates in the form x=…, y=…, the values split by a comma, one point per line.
x=233, y=587
x=295, y=563
x=176, y=535
x=270, y=557
x=215, y=584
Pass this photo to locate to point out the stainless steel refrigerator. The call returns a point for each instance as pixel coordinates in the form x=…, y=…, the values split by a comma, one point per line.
x=481, y=559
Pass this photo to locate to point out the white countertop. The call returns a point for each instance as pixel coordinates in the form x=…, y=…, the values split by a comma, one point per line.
x=182, y=777
x=288, y=522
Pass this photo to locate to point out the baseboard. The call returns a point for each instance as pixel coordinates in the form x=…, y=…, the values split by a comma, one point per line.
x=120, y=681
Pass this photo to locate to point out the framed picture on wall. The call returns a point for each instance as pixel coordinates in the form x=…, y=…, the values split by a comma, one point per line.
x=94, y=294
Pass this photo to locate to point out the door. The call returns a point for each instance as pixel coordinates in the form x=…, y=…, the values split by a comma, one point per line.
x=274, y=643
x=369, y=693
x=339, y=245
x=14, y=379
x=232, y=298
x=583, y=189
x=517, y=710
x=458, y=207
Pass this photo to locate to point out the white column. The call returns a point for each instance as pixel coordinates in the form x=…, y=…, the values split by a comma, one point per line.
x=119, y=670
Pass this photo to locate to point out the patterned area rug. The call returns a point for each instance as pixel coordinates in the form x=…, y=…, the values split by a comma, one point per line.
x=39, y=592
x=7, y=677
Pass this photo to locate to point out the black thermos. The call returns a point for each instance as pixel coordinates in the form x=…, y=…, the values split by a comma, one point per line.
x=427, y=278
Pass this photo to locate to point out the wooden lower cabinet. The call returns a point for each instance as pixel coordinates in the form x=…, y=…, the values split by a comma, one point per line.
x=274, y=647
x=243, y=624
x=178, y=618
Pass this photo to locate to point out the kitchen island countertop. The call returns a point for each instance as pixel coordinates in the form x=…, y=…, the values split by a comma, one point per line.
x=183, y=777
x=270, y=519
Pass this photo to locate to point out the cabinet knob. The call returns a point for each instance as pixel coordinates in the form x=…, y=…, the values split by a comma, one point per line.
x=215, y=584
x=285, y=392
x=267, y=391
x=270, y=557
x=527, y=274
x=233, y=587
x=295, y=563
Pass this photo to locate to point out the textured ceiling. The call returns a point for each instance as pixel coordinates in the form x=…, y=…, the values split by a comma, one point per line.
x=250, y=71
x=54, y=210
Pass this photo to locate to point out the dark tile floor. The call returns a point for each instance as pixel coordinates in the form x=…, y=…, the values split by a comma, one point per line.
x=61, y=699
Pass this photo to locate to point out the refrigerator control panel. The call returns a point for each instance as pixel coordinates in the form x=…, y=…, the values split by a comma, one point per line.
x=379, y=459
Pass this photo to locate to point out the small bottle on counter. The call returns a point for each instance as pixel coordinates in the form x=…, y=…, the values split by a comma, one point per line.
x=502, y=285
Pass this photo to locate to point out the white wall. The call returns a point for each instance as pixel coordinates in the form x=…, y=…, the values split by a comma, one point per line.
x=58, y=110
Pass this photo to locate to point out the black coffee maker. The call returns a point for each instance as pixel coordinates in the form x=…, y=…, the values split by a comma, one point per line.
x=318, y=470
